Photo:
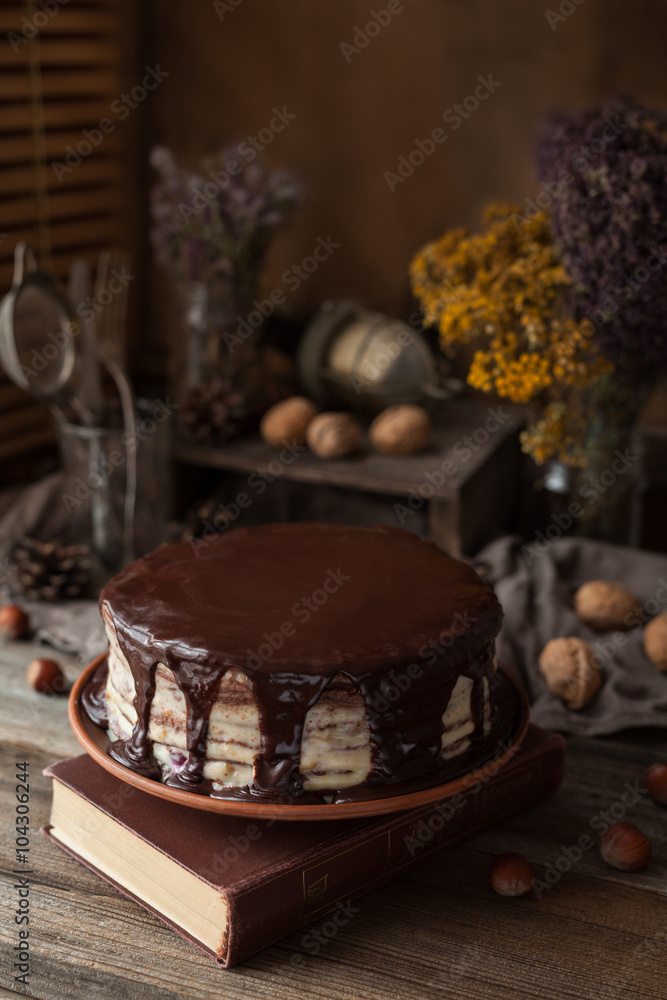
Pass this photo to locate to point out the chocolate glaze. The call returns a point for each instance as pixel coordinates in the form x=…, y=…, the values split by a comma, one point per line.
x=292, y=606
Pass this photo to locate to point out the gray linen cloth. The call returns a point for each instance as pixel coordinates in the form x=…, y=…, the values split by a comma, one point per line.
x=535, y=586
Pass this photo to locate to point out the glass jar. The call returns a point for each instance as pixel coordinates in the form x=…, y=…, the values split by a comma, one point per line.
x=119, y=524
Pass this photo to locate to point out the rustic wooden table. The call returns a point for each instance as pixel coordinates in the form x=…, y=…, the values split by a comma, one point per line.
x=439, y=931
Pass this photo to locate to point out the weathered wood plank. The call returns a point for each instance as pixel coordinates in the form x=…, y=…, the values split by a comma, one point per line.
x=11, y=994
x=28, y=719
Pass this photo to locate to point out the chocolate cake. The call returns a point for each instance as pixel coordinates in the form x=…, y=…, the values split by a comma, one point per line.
x=300, y=662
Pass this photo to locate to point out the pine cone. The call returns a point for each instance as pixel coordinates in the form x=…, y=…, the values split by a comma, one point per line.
x=47, y=571
x=214, y=412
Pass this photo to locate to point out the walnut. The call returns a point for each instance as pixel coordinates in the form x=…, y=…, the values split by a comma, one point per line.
x=569, y=668
x=287, y=421
x=400, y=430
x=333, y=435
x=605, y=605
x=655, y=641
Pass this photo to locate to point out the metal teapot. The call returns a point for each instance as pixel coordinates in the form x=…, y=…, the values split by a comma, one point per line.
x=364, y=360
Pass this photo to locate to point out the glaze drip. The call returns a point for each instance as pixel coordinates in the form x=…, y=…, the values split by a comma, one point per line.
x=93, y=698
x=199, y=685
x=283, y=701
x=135, y=752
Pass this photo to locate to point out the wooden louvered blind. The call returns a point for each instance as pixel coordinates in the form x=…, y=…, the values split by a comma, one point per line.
x=62, y=81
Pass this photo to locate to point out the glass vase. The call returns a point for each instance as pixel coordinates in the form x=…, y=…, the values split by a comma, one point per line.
x=604, y=499
x=217, y=360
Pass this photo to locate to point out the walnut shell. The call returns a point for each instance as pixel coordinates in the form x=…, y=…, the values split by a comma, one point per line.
x=655, y=641
x=605, y=605
x=333, y=435
x=569, y=668
x=401, y=430
x=287, y=421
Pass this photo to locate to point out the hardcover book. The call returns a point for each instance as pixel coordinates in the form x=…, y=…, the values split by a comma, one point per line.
x=232, y=887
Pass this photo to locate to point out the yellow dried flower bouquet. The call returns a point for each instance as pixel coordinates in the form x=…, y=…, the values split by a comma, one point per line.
x=506, y=290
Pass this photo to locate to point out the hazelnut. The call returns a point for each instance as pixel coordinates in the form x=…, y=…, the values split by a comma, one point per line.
x=333, y=435
x=287, y=421
x=14, y=622
x=655, y=641
x=400, y=430
x=605, y=605
x=625, y=847
x=45, y=676
x=511, y=875
x=655, y=783
x=569, y=668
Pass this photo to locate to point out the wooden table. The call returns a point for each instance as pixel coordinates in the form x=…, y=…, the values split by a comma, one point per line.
x=467, y=480
x=438, y=931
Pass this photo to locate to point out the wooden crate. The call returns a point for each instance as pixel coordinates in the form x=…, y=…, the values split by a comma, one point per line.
x=466, y=483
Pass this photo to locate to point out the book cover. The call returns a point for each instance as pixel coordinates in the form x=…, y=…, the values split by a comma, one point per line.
x=258, y=881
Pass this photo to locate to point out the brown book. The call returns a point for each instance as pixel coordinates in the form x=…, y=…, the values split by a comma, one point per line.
x=232, y=887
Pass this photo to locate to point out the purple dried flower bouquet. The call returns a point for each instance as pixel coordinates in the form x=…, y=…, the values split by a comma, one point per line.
x=216, y=223
x=609, y=166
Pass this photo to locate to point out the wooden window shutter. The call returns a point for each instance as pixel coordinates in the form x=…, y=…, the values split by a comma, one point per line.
x=60, y=72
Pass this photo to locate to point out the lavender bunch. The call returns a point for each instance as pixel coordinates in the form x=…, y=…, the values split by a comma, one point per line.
x=217, y=222
x=609, y=168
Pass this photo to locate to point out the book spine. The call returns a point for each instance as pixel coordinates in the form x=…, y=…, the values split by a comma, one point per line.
x=264, y=913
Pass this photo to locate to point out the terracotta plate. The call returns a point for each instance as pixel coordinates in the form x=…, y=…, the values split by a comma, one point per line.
x=95, y=741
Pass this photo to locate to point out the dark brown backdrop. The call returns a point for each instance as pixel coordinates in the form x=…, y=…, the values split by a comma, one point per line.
x=355, y=118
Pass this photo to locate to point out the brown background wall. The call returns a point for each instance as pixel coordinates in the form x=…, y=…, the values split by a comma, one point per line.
x=354, y=119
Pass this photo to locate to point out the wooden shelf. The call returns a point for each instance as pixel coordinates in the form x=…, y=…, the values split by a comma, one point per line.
x=461, y=444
